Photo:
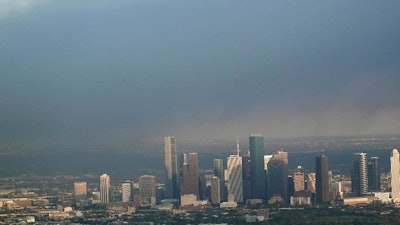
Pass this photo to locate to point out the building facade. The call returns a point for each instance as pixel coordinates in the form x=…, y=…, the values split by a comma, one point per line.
x=374, y=174
x=105, y=188
x=277, y=179
x=80, y=189
x=215, y=190
x=257, y=151
x=235, y=178
x=171, y=168
x=147, y=189
x=298, y=179
x=395, y=174
x=321, y=179
x=126, y=192
x=190, y=180
x=359, y=178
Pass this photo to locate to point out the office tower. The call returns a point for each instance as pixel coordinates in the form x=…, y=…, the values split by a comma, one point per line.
x=215, y=190
x=395, y=174
x=246, y=173
x=282, y=155
x=219, y=172
x=171, y=168
x=311, y=182
x=147, y=189
x=374, y=174
x=126, y=191
x=298, y=179
x=235, y=178
x=105, y=189
x=277, y=178
x=80, y=189
x=359, y=179
x=321, y=176
x=190, y=179
x=267, y=158
x=257, y=151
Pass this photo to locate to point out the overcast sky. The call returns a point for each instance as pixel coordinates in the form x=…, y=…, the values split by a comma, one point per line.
x=113, y=73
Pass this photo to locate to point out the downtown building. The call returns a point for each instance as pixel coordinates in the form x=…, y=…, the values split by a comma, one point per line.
x=321, y=179
x=126, y=189
x=219, y=173
x=105, y=188
x=147, y=190
x=277, y=180
x=235, y=178
x=374, y=174
x=190, y=180
x=395, y=174
x=215, y=190
x=257, y=151
x=171, y=168
x=359, y=178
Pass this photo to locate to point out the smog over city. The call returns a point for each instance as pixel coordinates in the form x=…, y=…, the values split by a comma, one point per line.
x=94, y=87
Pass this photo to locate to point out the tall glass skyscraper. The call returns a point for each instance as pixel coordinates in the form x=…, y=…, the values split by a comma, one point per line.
x=277, y=178
x=104, y=188
x=171, y=168
x=395, y=173
x=374, y=174
x=219, y=172
x=359, y=179
x=257, y=151
x=321, y=179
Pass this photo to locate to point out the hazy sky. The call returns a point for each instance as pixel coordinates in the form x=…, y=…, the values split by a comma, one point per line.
x=113, y=73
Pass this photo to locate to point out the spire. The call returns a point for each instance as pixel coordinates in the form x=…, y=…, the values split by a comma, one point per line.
x=237, y=146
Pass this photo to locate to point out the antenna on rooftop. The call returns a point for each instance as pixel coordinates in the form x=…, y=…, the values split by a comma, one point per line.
x=237, y=146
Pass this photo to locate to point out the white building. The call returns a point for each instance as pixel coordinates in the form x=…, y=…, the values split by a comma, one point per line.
x=105, y=188
x=235, y=178
x=395, y=174
x=171, y=168
x=126, y=192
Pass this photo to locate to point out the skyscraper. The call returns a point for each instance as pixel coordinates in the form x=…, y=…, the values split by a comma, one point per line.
x=257, y=151
x=298, y=179
x=190, y=179
x=311, y=182
x=235, y=178
x=374, y=174
x=246, y=173
x=321, y=176
x=147, y=189
x=277, y=178
x=359, y=179
x=105, y=188
x=126, y=191
x=219, y=172
x=395, y=173
x=171, y=169
x=215, y=190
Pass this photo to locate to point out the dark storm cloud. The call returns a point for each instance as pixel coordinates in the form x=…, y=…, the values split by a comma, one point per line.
x=97, y=73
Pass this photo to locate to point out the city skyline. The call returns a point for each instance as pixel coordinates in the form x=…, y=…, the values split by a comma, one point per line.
x=131, y=72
